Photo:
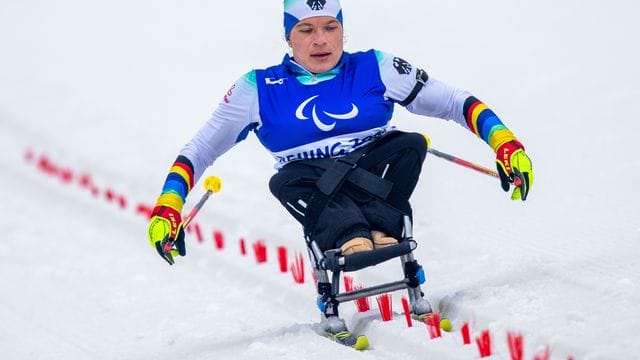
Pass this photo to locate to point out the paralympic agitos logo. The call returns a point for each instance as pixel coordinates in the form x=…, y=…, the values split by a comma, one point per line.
x=300, y=115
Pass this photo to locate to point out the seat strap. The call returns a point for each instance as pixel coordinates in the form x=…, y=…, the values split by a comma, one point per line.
x=336, y=172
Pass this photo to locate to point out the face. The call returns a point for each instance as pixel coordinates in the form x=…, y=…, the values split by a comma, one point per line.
x=317, y=43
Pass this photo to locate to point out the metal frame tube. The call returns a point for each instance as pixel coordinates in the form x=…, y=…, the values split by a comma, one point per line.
x=371, y=291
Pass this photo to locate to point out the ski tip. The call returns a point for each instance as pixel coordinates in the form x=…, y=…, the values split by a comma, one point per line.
x=362, y=343
x=445, y=324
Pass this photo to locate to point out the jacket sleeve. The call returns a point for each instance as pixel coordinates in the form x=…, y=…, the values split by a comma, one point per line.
x=440, y=100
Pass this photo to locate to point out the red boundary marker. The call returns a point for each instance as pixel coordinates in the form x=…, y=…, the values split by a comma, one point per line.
x=407, y=311
x=218, y=239
x=260, y=251
x=433, y=325
x=297, y=269
x=362, y=304
x=516, y=345
x=385, y=306
x=282, y=258
x=484, y=343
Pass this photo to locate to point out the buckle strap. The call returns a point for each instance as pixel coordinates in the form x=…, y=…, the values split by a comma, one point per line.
x=336, y=172
x=370, y=182
x=421, y=80
x=334, y=176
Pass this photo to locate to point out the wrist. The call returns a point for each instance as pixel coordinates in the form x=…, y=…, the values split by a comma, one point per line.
x=509, y=146
x=504, y=153
x=171, y=200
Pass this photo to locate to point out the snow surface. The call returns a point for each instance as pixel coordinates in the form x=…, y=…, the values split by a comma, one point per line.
x=115, y=88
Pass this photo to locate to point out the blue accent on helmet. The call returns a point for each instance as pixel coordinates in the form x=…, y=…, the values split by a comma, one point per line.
x=289, y=22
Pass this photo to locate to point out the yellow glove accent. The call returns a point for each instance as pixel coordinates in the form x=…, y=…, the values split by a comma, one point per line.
x=159, y=227
x=514, y=167
x=521, y=163
x=166, y=222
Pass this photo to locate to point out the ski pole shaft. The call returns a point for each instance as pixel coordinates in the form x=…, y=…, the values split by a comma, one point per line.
x=212, y=184
x=462, y=162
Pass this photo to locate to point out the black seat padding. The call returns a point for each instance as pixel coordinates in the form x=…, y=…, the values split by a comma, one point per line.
x=335, y=261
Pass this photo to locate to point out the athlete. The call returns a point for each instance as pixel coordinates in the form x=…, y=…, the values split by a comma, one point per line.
x=321, y=104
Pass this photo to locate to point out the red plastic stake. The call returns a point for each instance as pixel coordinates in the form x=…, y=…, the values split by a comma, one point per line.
x=196, y=228
x=122, y=202
x=282, y=258
x=348, y=283
x=243, y=247
x=407, y=311
x=362, y=304
x=516, y=345
x=466, y=337
x=144, y=210
x=484, y=343
x=297, y=269
x=109, y=195
x=218, y=239
x=260, y=250
x=433, y=325
x=543, y=354
x=85, y=181
x=66, y=175
x=45, y=165
x=385, y=307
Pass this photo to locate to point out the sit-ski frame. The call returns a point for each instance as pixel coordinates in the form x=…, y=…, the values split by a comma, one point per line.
x=329, y=296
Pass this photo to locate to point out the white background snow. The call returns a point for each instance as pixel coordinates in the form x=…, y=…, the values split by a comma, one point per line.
x=115, y=88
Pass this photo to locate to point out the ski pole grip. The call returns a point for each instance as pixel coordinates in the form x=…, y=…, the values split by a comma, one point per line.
x=213, y=184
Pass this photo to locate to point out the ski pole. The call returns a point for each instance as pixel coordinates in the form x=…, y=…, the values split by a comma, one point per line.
x=517, y=179
x=212, y=184
x=457, y=160
x=462, y=162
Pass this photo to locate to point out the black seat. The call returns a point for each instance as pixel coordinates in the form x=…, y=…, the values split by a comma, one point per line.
x=335, y=261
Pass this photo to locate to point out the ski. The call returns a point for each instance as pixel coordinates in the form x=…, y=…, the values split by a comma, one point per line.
x=359, y=342
x=444, y=323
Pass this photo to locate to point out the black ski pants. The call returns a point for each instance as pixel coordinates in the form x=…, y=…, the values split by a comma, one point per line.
x=397, y=157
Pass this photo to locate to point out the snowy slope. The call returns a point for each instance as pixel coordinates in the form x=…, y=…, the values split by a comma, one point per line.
x=114, y=88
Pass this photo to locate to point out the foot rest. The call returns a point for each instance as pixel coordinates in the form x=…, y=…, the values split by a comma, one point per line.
x=335, y=261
